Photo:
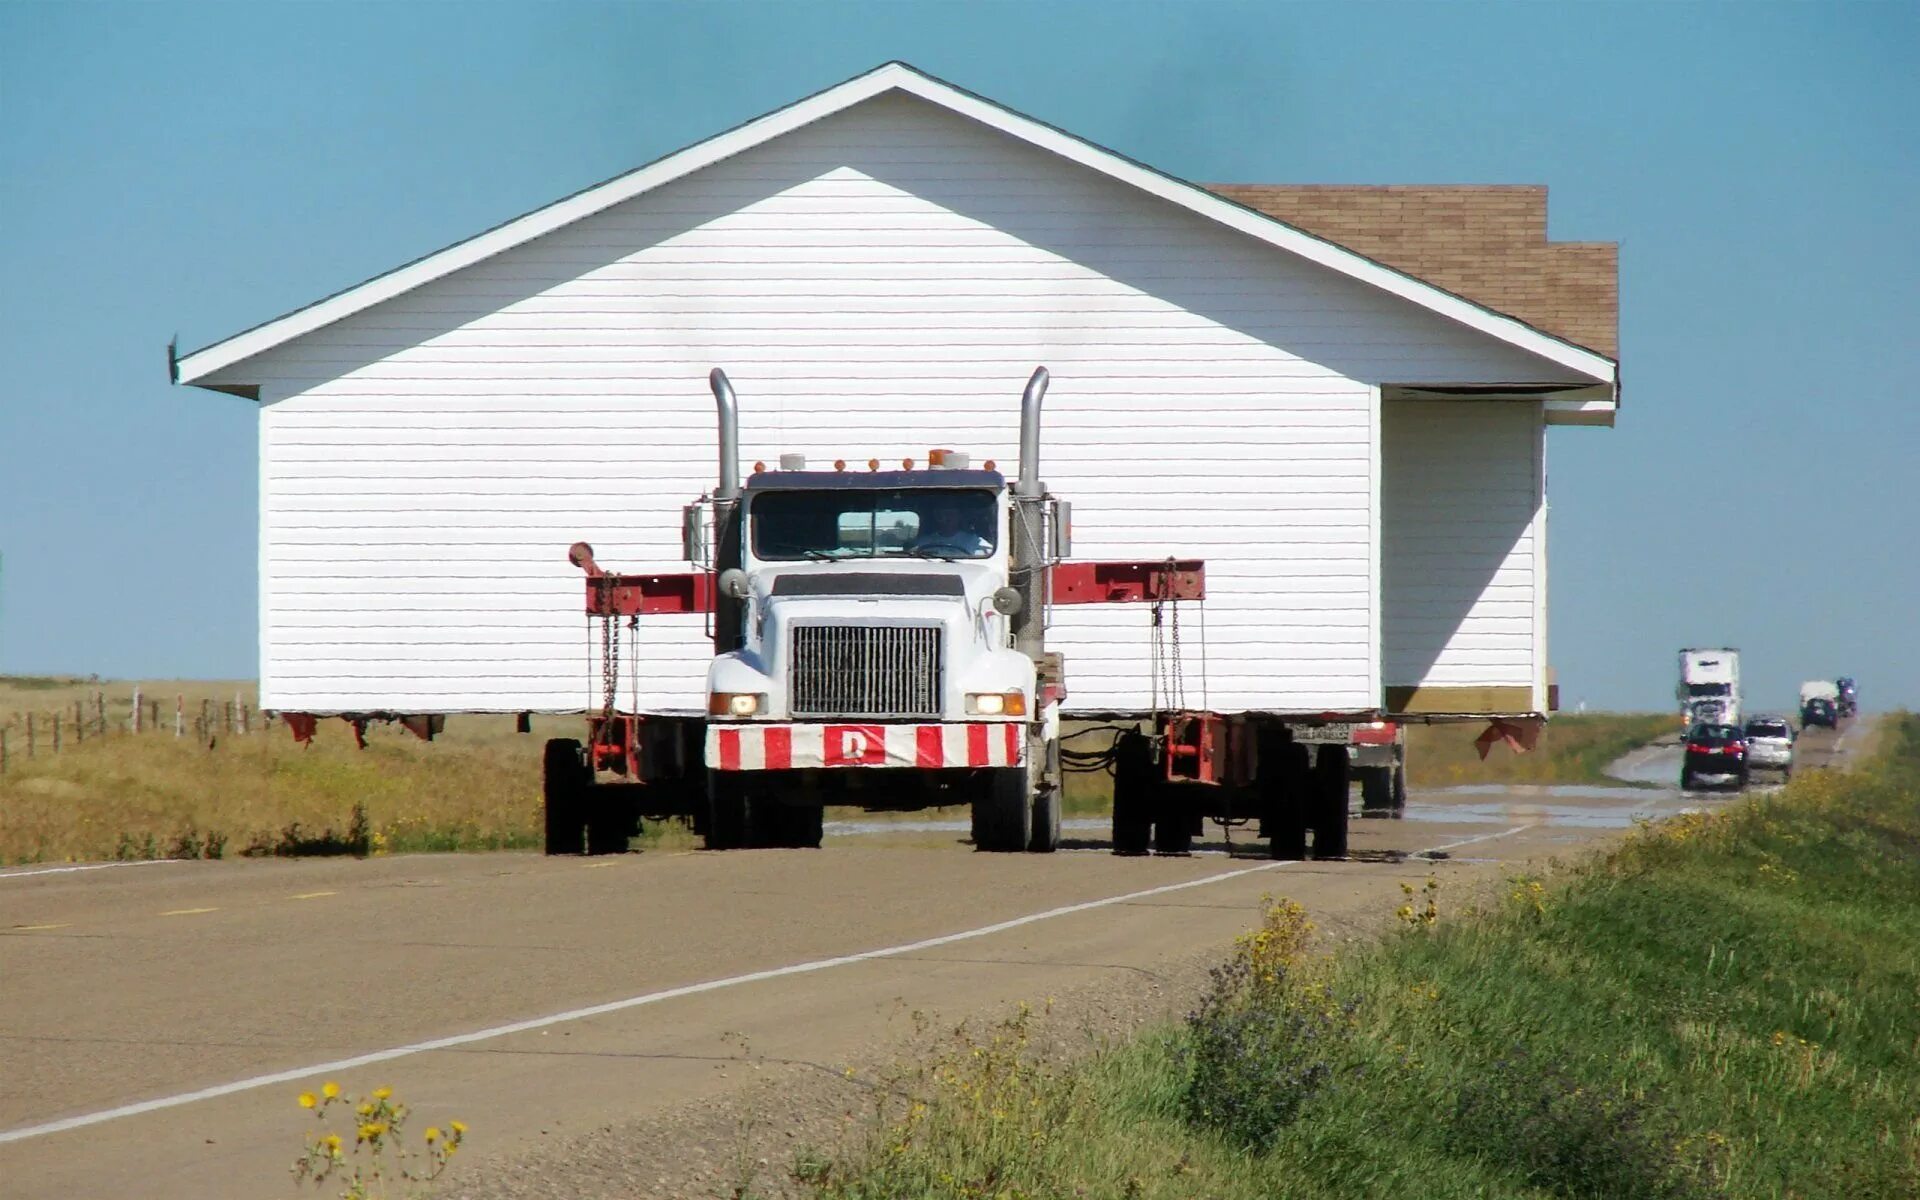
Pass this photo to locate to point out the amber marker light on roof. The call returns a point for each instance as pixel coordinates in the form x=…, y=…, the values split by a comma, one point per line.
x=989, y=465
x=839, y=464
x=759, y=467
x=873, y=464
x=906, y=464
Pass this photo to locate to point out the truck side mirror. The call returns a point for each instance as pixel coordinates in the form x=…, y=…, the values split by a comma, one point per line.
x=733, y=583
x=695, y=545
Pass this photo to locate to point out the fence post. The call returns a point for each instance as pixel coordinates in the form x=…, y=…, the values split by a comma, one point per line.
x=29, y=735
x=135, y=718
x=79, y=722
x=179, y=715
x=204, y=726
x=100, y=712
x=246, y=720
x=3, y=749
x=56, y=731
x=154, y=711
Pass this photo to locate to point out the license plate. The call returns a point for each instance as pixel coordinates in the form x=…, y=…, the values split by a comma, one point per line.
x=1338, y=733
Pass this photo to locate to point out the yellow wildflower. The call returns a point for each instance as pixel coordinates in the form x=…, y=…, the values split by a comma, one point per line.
x=459, y=1127
x=332, y=1143
x=307, y=1100
x=365, y=1109
x=433, y=1133
x=330, y=1089
x=381, y=1093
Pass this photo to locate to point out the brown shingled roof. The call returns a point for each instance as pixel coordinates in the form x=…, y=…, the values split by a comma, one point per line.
x=1485, y=243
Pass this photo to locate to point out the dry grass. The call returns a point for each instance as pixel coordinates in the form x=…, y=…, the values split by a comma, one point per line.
x=1573, y=748
x=475, y=787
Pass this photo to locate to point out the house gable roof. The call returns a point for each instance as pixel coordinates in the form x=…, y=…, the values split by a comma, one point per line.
x=199, y=366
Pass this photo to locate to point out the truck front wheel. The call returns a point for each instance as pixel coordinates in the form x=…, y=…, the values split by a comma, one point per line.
x=1044, y=838
x=1003, y=812
x=1376, y=791
x=726, y=824
x=564, y=782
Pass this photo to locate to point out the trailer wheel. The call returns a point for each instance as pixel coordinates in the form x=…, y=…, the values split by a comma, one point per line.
x=726, y=825
x=564, y=782
x=1173, y=825
x=1330, y=802
x=1376, y=791
x=1132, y=794
x=1003, y=813
x=610, y=827
x=1399, y=789
x=1285, y=790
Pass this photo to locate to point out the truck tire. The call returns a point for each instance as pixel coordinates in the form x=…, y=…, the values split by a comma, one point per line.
x=610, y=827
x=775, y=826
x=1330, y=802
x=726, y=823
x=1132, y=794
x=1283, y=779
x=1003, y=812
x=1399, y=790
x=1044, y=837
x=1376, y=791
x=1172, y=825
x=564, y=782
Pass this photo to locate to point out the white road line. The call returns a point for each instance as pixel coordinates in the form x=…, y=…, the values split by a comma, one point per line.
x=612, y=1006
x=1485, y=837
x=142, y=862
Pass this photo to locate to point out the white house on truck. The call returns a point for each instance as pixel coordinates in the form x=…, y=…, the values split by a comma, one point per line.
x=1354, y=448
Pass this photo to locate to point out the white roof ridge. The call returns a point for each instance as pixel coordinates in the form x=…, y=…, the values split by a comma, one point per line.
x=199, y=365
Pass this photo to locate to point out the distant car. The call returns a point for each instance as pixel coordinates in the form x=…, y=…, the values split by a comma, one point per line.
x=1820, y=711
x=1769, y=745
x=1715, y=755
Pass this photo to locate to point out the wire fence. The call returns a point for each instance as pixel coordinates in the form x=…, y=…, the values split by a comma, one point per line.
x=38, y=732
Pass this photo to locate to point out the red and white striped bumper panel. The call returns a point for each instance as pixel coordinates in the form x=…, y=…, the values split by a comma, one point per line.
x=787, y=747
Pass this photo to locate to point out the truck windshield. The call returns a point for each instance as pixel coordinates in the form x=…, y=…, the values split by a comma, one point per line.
x=1709, y=689
x=874, y=522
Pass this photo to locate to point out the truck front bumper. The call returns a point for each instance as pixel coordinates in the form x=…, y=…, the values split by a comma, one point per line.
x=768, y=746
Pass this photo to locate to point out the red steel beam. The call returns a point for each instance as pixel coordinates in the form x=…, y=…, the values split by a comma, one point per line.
x=1129, y=582
x=645, y=595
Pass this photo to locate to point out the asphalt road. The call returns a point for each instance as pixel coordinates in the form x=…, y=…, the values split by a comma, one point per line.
x=158, y=1020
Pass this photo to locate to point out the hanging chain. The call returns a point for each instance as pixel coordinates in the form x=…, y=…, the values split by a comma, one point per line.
x=1169, y=672
x=609, y=654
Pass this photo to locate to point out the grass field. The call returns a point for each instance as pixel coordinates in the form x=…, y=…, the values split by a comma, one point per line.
x=1723, y=1007
x=476, y=787
x=1573, y=748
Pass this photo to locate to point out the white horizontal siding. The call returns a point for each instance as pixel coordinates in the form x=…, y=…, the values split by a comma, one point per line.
x=876, y=284
x=1461, y=502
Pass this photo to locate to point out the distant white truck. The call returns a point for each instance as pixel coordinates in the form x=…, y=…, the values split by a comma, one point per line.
x=1820, y=703
x=1709, y=691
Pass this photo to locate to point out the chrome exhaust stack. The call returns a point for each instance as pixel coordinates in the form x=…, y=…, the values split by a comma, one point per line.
x=1028, y=485
x=729, y=488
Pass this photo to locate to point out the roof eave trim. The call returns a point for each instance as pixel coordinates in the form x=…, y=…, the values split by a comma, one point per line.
x=202, y=363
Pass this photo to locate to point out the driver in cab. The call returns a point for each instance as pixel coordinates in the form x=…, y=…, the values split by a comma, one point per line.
x=945, y=531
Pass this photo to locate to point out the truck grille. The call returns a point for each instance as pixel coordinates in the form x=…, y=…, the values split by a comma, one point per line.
x=866, y=671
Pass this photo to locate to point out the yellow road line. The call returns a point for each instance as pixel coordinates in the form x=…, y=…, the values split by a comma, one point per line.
x=311, y=895
x=186, y=912
x=596, y=866
x=32, y=928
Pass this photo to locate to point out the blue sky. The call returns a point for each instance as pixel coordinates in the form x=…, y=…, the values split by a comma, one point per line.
x=198, y=168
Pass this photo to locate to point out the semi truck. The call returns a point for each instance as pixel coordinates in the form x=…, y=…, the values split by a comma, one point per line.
x=1709, y=691
x=880, y=640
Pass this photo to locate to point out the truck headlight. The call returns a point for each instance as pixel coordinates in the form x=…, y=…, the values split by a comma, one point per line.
x=735, y=704
x=997, y=704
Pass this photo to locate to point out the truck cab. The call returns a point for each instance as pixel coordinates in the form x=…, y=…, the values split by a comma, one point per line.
x=872, y=596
